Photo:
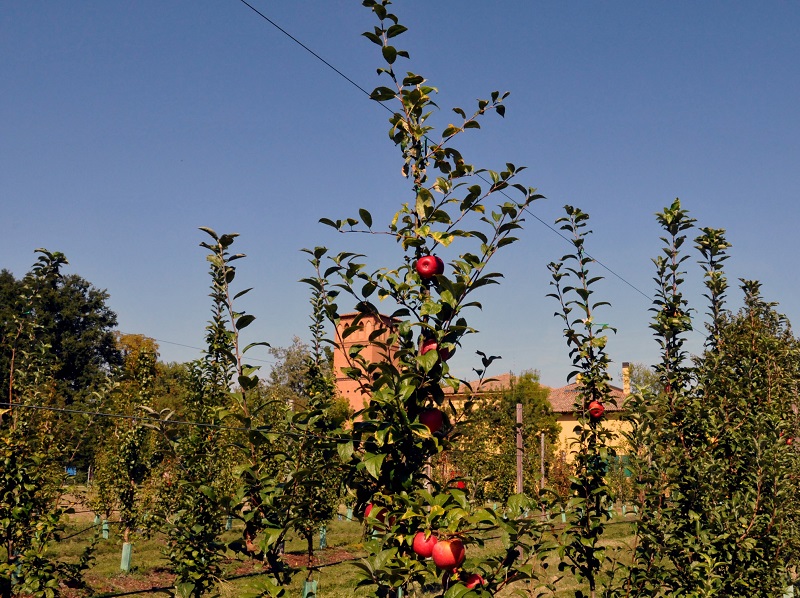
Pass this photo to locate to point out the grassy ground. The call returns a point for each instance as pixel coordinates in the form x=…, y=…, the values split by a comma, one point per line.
x=150, y=573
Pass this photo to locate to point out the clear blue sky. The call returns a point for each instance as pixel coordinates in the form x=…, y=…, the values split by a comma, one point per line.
x=127, y=125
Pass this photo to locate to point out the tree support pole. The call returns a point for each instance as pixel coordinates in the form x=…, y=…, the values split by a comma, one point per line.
x=519, y=449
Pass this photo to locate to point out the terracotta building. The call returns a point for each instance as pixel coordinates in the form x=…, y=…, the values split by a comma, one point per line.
x=348, y=387
x=561, y=399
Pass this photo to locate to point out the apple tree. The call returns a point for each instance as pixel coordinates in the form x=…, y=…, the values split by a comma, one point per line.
x=714, y=452
x=590, y=497
x=465, y=215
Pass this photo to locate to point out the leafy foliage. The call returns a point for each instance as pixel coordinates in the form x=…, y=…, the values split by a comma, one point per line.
x=390, y=447
x=32, y=449
x=590, y=495
x=715, y=468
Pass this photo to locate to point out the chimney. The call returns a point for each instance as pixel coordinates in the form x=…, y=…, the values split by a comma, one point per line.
x=626, y=378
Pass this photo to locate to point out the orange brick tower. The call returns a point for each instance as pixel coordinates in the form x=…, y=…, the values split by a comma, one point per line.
x=348, y=387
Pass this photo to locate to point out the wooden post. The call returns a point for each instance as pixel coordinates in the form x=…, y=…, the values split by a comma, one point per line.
x=542, y=480
x=519, y=449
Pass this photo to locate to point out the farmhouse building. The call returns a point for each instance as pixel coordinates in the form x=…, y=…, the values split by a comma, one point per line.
x=561, y=399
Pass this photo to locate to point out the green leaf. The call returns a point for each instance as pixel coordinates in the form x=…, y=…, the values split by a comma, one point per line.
x=345, y=450
x=389, y=54
x=366, y=217
x=450, y=131
x=428, y=360
x=330, y=222
x=373, y=463
x=373, y=38
x=395, y=30
x=244, y=321
x=259, y=344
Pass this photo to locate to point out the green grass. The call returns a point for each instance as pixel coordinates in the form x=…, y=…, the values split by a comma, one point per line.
x=151, y=569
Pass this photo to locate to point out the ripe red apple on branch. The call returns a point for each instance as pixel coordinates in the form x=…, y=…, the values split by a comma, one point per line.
x=430, y=344
x=429, y=266
x=424, y=546
x=433, y=419
x=474, y=580
x=380, y=513
x=596, y=409
x=449, y=554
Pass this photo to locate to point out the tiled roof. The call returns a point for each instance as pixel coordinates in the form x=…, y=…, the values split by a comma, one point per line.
x=562, y=399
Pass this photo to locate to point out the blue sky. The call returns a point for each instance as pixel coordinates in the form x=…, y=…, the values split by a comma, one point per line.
x=127, y=125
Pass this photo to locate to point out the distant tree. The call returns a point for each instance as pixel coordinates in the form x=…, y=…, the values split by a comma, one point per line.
x=485, y=454
x=643, y=378
x=33, y=444
x=171, y=387
x=71, y=321
x=288, y=379
x=78, y=325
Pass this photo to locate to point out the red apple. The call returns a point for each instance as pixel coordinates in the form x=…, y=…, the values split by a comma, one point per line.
x=429, y=266
x=474, y=580
x=789, y=440
x=461, y=484
x=433, y=419
x=380, y=513
x=424, y=546
x=449, y=554
x=430, y=344
x=596, y=409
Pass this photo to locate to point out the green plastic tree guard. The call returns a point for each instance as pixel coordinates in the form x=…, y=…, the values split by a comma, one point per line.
x=105, y=529
x=125, y=562
x=323, y=537
x=309, y=588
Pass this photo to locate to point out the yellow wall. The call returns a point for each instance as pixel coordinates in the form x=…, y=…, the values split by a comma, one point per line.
x=567, y=434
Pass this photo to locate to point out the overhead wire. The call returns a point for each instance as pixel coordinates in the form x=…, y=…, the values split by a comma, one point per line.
x=360, y=88
x=367, y=93
x=158, y=340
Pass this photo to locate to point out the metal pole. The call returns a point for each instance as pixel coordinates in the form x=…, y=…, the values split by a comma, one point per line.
x=519, y=448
